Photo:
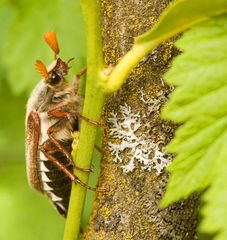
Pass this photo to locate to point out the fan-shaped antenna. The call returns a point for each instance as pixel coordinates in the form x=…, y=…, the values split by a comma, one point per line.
x=51, y=39
x=42, y=69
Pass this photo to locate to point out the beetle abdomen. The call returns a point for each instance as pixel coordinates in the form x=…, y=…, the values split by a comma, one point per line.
x=56, y=185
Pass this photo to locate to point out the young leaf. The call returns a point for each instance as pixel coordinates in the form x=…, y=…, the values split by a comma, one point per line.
x=179, y=16
x=200, y=103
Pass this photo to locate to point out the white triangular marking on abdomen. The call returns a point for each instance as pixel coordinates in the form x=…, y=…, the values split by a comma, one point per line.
x=46, y=187
x=42, y=167
x=44, y=177
x=54, y=198
x=60, y=205
x=42, y=156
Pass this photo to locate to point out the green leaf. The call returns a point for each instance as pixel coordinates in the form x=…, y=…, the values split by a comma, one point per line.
x=199, y=103
x=24, y=42
x=215, y=198
x=179, y=16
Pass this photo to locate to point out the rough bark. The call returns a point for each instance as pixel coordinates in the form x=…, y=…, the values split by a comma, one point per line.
x=130, y=210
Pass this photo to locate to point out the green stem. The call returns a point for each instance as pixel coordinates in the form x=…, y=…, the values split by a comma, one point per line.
x=93, y=104
x=121, y=71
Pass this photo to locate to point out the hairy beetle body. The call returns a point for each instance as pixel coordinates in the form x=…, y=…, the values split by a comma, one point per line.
x=43, y=174
x=51, y=117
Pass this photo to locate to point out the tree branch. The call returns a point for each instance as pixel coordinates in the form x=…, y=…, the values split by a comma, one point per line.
x=134, y=158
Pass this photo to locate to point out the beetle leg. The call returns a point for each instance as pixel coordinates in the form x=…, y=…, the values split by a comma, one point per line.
x=76, y=81
x=54, y=128
x=78, y=115
x=68, y=173
x=57, y=112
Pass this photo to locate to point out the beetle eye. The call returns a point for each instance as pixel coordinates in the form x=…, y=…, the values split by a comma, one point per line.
x=54, y=79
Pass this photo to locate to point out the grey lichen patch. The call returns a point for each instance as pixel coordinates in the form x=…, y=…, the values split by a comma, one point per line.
x=129, y=130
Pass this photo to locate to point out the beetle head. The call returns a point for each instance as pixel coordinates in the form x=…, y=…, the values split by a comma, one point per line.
x=54, y=75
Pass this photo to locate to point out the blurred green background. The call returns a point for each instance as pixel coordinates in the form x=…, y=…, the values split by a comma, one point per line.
x=25, y=214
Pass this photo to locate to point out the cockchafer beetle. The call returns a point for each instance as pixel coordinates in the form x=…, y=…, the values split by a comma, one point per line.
x=53, y=112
